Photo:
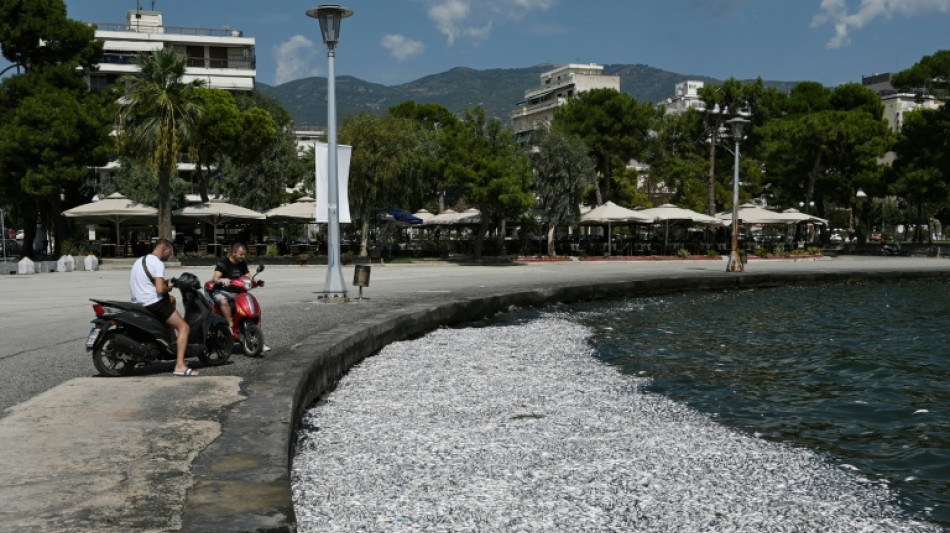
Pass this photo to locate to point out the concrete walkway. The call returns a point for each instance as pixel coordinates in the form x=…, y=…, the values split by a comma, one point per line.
x=212, y=453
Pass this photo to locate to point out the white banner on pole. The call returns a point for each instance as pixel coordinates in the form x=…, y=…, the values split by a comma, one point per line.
x=343, y=153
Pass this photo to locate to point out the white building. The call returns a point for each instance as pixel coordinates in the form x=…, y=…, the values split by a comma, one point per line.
x=557, y=87
x=224, y=58
x=686, y=96
x=896, y=103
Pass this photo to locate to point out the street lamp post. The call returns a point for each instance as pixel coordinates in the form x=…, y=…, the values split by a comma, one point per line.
x=735, y=261
x=330, y=17
x=860, y=196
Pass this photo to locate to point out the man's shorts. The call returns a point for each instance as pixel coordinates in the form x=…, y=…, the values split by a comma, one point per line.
x=162, y=309
x=216, y=296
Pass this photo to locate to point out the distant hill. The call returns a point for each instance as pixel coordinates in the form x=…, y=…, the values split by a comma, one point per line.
x=496, y=90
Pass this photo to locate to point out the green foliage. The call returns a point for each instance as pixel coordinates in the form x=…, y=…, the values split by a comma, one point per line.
x=23, y=23
x=51, y=128
x=682, y=253
x=614, y=126
x=931, y=73
x=157, y=118
x=486, y=162
x=563, y=170
x=856, y=97
x=388, y=164
x=921, y=172
x=224, y=133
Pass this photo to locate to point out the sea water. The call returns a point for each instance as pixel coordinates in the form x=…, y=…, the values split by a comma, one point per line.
x=857, y=372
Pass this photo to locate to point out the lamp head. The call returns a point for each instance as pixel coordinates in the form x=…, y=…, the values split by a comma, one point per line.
x=330, y=17
x=737, y=125
x=860, y=194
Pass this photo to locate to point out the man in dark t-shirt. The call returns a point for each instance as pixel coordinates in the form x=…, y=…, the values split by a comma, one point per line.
x=228, y=268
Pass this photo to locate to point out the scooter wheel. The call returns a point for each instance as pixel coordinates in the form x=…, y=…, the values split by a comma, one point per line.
x=252, y=340
x=218, y=346
x=109, y=360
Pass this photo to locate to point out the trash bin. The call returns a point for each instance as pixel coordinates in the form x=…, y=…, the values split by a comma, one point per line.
x=361, y=276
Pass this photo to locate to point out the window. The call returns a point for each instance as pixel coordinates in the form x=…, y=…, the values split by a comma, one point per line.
x=218, y=57
x=196, y=56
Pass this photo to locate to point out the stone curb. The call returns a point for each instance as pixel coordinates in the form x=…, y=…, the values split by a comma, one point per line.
x=242, y=480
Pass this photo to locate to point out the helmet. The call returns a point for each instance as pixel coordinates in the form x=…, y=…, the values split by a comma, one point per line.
x=188, y=281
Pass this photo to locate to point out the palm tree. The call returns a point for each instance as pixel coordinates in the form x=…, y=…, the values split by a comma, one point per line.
x=156, y=117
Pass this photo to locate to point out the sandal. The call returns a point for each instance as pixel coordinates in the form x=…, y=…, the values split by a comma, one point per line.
x=187, y=372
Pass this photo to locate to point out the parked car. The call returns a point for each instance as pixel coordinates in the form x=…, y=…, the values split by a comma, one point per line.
x=9, y=247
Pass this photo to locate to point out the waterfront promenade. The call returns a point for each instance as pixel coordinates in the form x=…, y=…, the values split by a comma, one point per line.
x=157, y=453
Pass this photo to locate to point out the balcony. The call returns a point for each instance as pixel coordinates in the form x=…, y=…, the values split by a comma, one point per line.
x=174, y=30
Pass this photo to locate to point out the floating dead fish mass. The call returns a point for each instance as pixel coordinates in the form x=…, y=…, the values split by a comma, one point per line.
x=518, y=428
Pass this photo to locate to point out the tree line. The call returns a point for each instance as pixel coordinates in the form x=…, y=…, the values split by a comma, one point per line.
x=813, y=147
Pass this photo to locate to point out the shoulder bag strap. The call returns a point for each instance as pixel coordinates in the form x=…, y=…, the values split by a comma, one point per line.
x=147, y=273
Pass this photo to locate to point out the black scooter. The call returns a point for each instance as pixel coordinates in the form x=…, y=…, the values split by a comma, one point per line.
x=126, y=335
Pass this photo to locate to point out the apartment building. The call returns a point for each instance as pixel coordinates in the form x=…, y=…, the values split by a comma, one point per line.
x=686, y=96
x=224, y=58
x=558, y=86
x=898, y=103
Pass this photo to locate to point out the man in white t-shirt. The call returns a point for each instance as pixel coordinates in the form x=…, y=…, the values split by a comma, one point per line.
x=149, y=289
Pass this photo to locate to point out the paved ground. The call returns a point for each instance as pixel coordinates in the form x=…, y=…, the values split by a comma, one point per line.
x=84, y=453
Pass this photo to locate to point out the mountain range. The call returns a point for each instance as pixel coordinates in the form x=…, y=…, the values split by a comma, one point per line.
x=498, y=91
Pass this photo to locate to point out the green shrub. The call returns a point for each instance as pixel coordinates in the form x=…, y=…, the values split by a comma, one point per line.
x=303, y=258
x=74, y=248
x=272, y=251
x=713, y=253
x=761, y=252
x=682, y=253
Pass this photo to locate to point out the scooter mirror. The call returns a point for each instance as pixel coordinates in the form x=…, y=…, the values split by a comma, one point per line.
x=260, y=268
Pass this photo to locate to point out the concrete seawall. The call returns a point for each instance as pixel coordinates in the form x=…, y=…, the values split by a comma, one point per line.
x=242, y=479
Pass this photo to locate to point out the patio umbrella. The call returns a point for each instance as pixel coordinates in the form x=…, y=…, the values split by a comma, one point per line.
x=424, y=215
x=795, y=216
x=216, y=212
x=114, y=208
x=304, y=208
x=446, y=217
x=609, y=213
x=752, y=214
x=668, y=212
x=469, y=216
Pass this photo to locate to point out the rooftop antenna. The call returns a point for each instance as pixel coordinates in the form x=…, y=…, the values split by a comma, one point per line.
x=138, y=3
x=153, y=5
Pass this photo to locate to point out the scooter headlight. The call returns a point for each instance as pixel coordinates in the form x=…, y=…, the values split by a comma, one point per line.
x=248, y=284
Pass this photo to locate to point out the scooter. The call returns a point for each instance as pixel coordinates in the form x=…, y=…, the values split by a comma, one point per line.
x=892, y=249
x=245, y=311
x=126, y=335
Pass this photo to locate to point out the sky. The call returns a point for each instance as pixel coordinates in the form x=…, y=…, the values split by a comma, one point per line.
x=396, y=41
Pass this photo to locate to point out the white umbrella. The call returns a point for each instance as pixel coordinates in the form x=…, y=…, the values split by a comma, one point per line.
x=794, y=216
x=752, y=214
x=446, y=217
x=304, y=208
x=216, y=212
x=668, y=212
x=424, y=215
x=469, y=216
x=114, y=208
x=609, y=213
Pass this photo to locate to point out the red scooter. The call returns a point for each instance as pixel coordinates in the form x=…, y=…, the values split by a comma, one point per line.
x=245, y=311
